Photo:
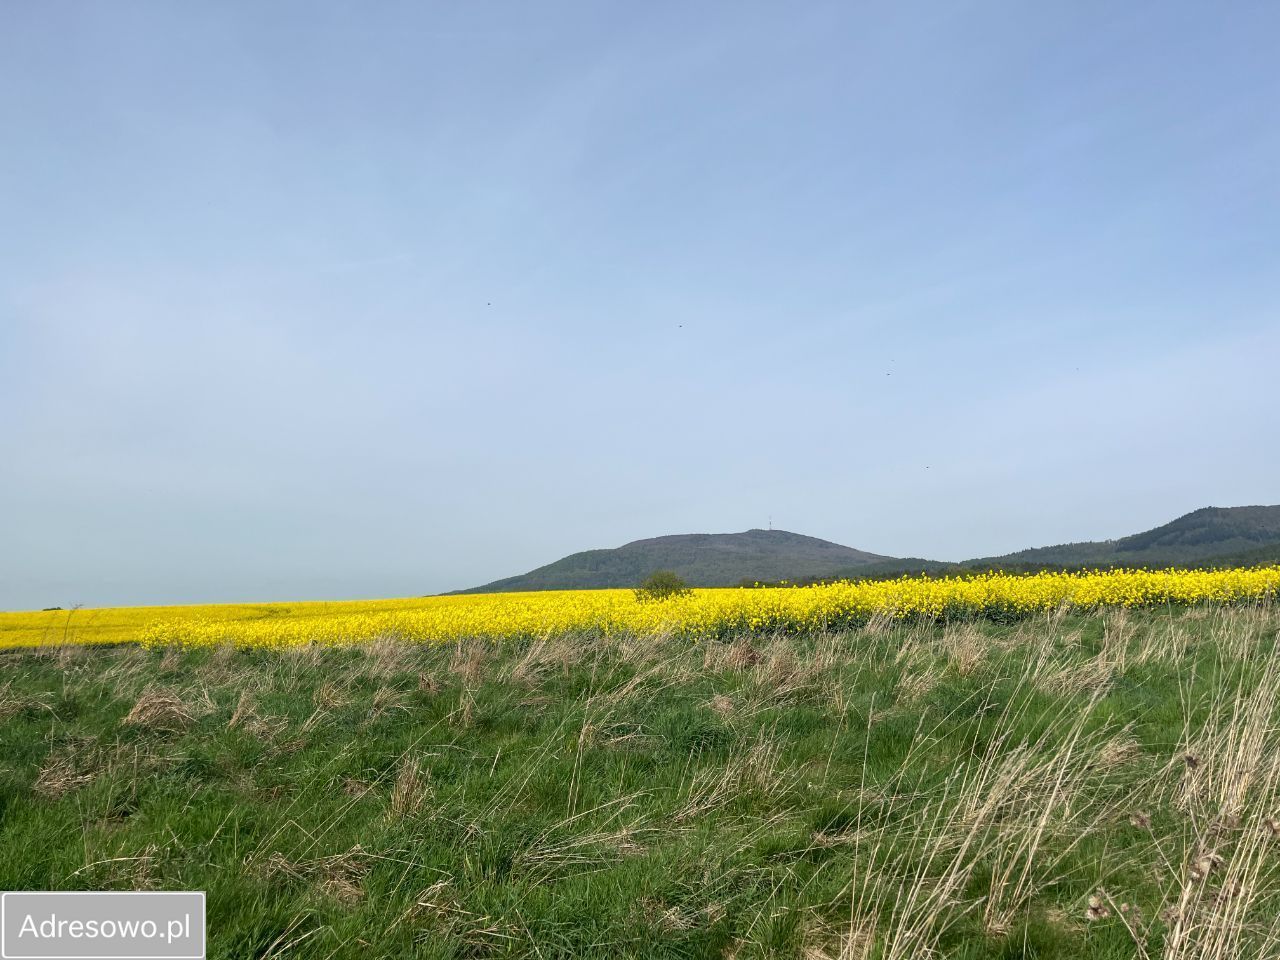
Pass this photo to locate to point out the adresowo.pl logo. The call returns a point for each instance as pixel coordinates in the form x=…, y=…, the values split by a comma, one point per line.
x=110, y=925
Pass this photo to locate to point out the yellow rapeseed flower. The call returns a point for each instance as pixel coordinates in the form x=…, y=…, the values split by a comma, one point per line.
x=701, y=613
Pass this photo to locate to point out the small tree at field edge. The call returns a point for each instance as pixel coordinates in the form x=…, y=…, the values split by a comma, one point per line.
x=661, y=585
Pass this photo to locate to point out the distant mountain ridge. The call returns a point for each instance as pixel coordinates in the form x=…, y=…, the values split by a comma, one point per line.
x=702, y=559
x=1210, y=536
x=1203, y=534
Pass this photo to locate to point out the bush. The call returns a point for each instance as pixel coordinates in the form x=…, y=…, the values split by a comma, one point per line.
x=661, y=585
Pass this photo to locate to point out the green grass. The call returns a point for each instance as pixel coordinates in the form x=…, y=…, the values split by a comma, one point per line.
x=961, y=790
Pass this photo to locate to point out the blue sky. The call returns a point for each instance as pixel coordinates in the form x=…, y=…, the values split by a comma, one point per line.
x=335, y=300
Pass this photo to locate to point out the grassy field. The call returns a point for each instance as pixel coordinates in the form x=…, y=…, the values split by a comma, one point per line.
x=1073, y=785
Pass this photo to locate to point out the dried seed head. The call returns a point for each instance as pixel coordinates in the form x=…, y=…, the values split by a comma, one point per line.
x=1097, y=909
x=1118, y=751
x=998, y=927
x=355, y=788
x=1230, y=891
x=722, y=704
x=1203, y=866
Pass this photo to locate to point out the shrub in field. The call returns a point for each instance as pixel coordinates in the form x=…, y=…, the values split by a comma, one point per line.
x=661, y=585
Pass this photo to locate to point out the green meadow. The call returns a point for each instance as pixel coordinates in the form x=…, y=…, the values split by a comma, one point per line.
x=1102, y=785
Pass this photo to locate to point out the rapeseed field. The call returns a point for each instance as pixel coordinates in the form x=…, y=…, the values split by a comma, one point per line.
x=699, y=614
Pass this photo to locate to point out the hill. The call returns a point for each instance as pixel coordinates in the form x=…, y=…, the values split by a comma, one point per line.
x=1206, y=536
x=1209, y=537
x=702, y=559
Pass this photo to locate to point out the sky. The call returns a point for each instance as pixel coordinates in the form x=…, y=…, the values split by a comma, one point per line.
x=329, y=300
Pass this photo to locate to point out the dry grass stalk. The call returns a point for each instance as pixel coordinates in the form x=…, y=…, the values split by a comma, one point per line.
x=387, y=657
x=779, y=677
x=1065, y=674
x=965, y=646
x=739, y=655
x=244, y=711
x=1168, y=642
x=1224, y=905
x=439, y=912
x=722, y=705
x=245, y=717
x=540, y=658
x=429, y=683
x=580, y=853
x=1118, y=751
x=1233, y=754
x=64, y=772
x=758, y=770
x=920, y=675
x=880, y=623
x=331, y=696
x=999, y=813
x=12, y=704
x=470, y=661
x=160, y=709
x=1053, y=787
x=385, y=700
x=129, y=872
x=339, y=876
x=411, y=790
